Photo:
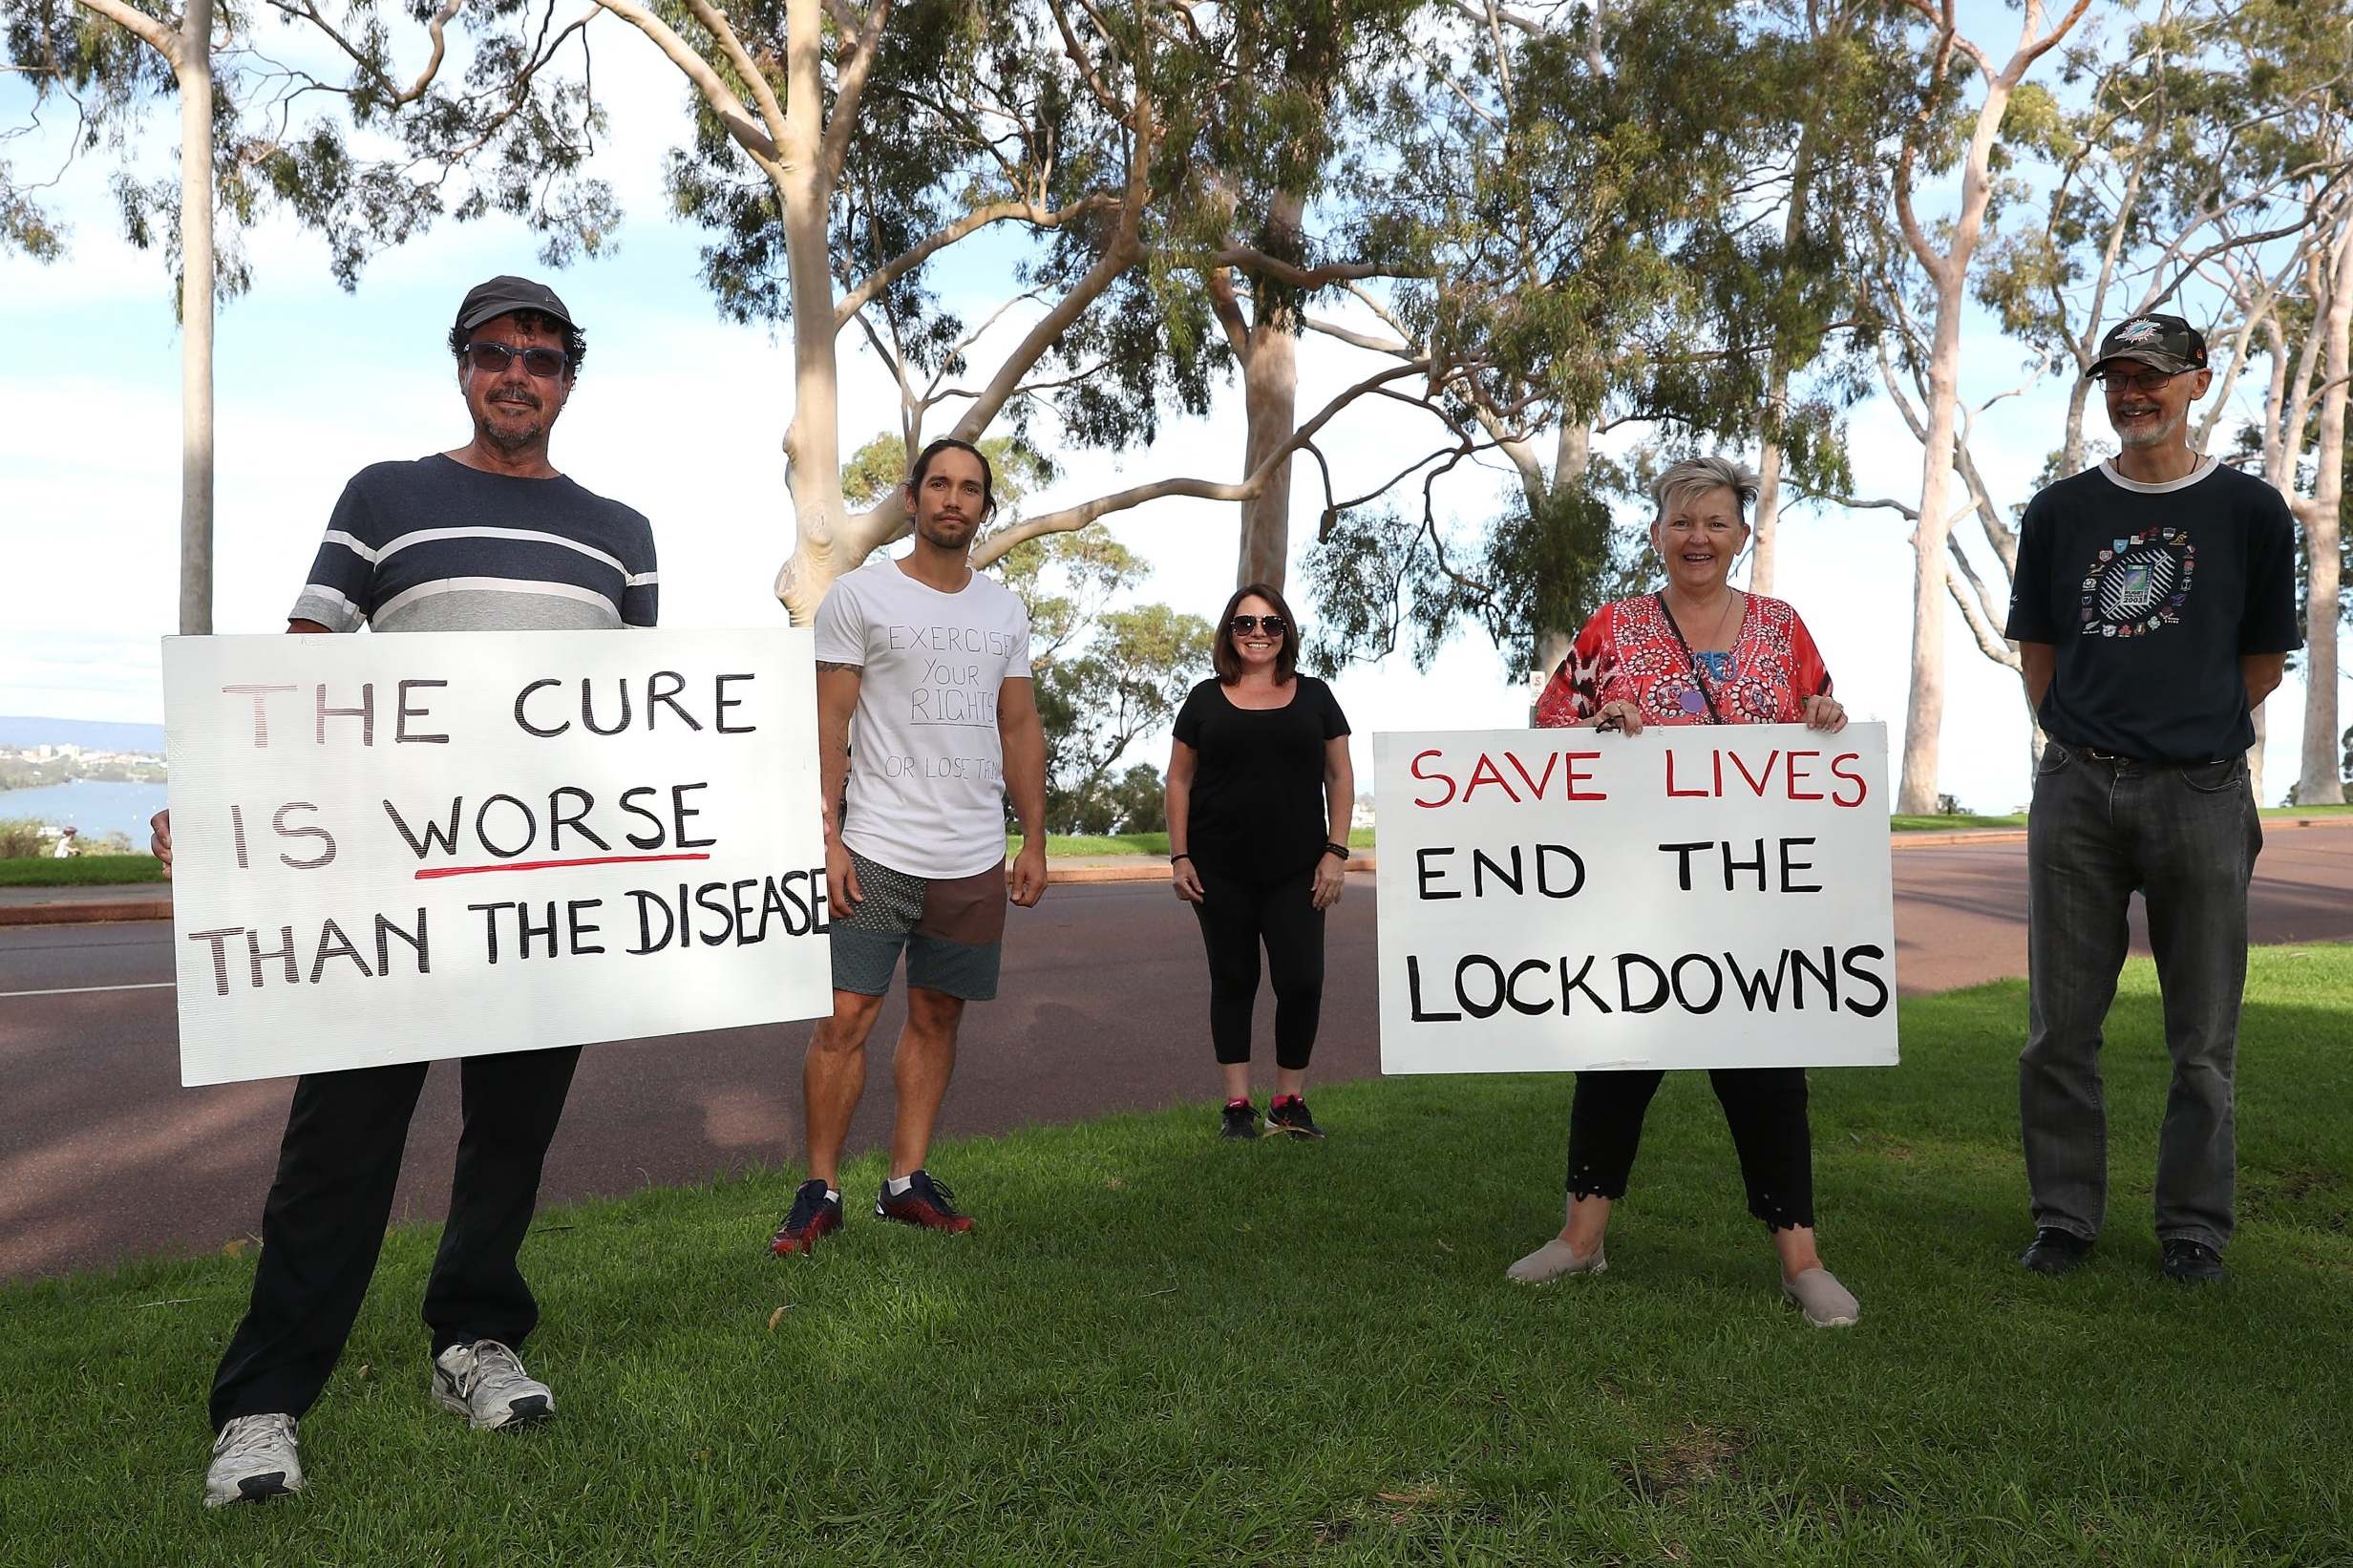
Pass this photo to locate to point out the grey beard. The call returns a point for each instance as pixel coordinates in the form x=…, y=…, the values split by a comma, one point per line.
x=2163, y=435
x=530, y=436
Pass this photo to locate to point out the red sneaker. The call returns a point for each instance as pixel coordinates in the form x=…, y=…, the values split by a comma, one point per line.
x=814, y=1215
x=926, y=1202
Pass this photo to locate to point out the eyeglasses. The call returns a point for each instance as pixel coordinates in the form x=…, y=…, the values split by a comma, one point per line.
x=2139, y=381
x=1243, y=626
x=492, y=359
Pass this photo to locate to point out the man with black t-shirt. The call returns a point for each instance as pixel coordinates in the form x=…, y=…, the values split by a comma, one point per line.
x=487, y=537
x=2154, y=605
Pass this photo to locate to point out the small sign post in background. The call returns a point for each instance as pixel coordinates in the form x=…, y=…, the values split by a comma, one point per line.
x=1691, y=897
x=400, y=849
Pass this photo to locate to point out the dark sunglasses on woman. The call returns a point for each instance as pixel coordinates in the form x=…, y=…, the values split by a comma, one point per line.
x=492, y=359
x=1243, y=626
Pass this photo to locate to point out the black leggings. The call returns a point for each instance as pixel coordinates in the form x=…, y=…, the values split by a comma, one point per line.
x=1237, y=913
x=1764, y=1106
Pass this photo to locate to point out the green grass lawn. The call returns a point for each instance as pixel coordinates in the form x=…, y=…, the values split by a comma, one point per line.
x=79, y=871
x=1162, y=1348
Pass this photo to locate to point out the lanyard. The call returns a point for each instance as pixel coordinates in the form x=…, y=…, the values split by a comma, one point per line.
x=1698, y=677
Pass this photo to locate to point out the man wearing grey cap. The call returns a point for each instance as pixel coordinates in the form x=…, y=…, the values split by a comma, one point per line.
x=2154, y=605
x=487, y=536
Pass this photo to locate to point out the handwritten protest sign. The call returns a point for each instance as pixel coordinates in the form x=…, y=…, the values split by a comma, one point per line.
x=1692, y=897
x=398, y=849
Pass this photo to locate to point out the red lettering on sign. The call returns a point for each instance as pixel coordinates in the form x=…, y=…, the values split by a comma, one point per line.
x=1837, y=769
x=1416, y=771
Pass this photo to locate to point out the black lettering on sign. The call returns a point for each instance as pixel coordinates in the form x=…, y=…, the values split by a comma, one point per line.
x=524, y=724
x=724, y=702
x=1661, y=989
x=402, y=714
x=333, y=943
x=1577, y=983
x=219, y=954
x=419, y=947
x=588, y=708
x=1511, y=989
x=284, y=953
x=1825, y=975
x=1544, y=871
x=558, y=820
x=1715, y=982
x=365, y=712
x=1790, y=868
x=655, y=694
x=1425, y=872
x=437, y=837
x=1878, y=986
x=278, y=826
x=1760, y=984
x=1462, y=993
x=1414, y=996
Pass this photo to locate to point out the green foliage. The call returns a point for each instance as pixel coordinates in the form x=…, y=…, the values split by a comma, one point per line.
x=1638, y=214
x=512, y=137
x=1104, y=677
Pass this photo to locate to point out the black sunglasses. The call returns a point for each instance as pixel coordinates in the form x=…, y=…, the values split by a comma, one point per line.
x=1243, y=626
x=492, y=359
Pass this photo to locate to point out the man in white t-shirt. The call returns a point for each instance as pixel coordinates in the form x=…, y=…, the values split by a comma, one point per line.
x=926, y=711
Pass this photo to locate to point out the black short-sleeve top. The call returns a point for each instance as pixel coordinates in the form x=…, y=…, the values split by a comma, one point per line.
x=1257, y=803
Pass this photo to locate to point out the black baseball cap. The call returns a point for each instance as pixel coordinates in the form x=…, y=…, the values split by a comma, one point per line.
x=2162, y=343
x=502, y=295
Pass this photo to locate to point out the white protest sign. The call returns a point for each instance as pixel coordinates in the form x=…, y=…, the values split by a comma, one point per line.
x=1691, y=897
x=400, y=849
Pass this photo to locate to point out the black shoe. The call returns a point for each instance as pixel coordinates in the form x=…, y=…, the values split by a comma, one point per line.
x=2056, y=1252
x=1241, y=1121
x=926, y=1203
x=814, y=1215
x=2191, y=1262
x=1290, y=1114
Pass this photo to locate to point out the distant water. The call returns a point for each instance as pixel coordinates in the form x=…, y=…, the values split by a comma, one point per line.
x=93, y=805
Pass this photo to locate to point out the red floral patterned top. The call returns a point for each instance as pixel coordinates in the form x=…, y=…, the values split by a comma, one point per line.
x=1629, y=652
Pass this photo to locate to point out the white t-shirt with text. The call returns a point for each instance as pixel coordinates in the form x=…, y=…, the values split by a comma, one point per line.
x=927, y=768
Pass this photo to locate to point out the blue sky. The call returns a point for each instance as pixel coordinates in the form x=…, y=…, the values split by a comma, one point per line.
x=681, y=416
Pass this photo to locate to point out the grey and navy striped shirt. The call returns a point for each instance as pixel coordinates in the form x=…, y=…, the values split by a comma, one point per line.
x=434, y=545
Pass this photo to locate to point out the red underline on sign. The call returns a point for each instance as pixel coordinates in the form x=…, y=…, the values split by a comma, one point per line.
x=431, y=873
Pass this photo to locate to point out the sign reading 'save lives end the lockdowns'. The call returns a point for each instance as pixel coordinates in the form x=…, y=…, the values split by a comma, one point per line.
x=1692, y=897
x=400, y=849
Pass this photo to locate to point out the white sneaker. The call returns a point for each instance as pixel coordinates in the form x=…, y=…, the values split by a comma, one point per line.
x=485, y=1383
x=253, y=1461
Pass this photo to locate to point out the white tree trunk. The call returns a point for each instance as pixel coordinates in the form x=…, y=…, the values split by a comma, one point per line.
x=813, y=441
x=1768, y=490
x=1925, y=717
x=2322, y=782
x=1270, y=404
x=193, y=70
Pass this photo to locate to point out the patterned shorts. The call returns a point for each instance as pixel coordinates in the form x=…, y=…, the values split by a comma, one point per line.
x=952, y=929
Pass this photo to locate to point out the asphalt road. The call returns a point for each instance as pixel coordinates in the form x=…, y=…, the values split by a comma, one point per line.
x=103, y=1156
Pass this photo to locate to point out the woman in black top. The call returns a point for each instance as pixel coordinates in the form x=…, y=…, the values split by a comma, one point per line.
x=1260, y=788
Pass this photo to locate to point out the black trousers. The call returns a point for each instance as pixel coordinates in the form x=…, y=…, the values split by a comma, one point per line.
x=332, y=1197
x=1239, y=913
x=1764, y=1106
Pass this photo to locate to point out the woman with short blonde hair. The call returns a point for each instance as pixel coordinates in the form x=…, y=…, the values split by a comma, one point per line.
x=1698, y=651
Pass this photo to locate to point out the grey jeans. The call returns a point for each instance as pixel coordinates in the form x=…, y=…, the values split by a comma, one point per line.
x=2187, y=837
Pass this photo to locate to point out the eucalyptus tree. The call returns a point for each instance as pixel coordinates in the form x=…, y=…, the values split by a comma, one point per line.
x=2176, y=168
x=1595, y=198
x=1952, y=73
x=343, y=138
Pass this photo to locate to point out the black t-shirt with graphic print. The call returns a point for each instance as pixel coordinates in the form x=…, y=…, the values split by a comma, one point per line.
x=2149, y=595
